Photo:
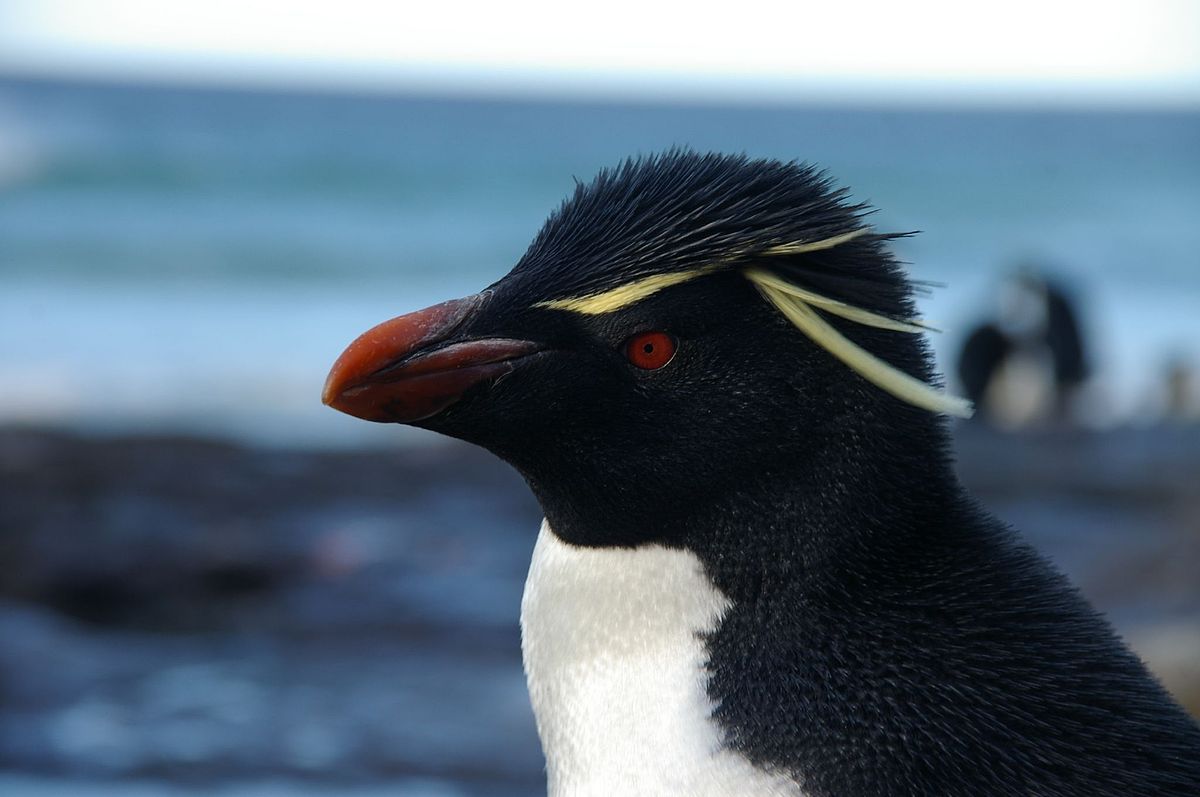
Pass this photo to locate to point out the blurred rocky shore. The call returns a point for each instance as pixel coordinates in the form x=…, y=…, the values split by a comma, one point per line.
x=179, y=613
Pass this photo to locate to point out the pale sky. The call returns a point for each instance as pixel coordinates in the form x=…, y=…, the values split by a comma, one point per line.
x=1127, y=51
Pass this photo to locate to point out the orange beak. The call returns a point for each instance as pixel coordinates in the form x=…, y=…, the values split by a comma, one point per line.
x=407, y=369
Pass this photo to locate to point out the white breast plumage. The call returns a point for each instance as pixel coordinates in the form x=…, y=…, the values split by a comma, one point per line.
x=616, y=671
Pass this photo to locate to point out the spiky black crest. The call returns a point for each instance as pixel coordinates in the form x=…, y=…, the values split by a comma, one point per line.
x=682, y=210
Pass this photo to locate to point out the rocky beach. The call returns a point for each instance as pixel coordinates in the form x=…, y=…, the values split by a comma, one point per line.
x=185, y=615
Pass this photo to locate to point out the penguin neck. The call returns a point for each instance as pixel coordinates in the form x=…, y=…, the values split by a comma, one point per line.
x=842, y=508
x=616, y=639
x=799, y=498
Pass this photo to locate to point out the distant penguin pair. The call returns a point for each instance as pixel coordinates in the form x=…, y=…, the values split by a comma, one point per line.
x=758, y=573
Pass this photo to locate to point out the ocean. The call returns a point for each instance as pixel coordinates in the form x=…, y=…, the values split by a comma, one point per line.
x=193, y=259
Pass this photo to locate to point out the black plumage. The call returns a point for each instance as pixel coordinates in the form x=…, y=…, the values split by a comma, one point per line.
x=887, y=635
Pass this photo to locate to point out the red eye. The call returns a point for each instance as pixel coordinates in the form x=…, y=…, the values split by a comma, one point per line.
x=650, y=350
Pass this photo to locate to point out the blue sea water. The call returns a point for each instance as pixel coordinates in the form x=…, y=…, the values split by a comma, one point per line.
x=195, y=259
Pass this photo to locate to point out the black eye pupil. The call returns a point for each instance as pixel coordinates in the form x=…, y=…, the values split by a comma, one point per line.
x=648, y=348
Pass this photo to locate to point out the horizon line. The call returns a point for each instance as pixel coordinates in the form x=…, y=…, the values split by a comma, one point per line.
x=640, y=88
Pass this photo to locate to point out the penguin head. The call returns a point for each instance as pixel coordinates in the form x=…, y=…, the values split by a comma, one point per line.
x=680, y=324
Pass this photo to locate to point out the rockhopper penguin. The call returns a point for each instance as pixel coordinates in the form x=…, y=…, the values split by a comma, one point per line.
x=758, y=574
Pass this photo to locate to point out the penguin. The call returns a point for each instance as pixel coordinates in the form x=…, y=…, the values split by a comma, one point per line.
x=758, y=573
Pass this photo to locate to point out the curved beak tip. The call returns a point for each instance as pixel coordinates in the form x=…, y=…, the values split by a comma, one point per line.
x=330, y=392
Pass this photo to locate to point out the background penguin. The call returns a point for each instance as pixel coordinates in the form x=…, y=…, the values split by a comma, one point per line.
x=1030, y=364
x=758, y=573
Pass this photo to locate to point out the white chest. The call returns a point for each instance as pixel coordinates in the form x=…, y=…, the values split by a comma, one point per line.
x=616, y=672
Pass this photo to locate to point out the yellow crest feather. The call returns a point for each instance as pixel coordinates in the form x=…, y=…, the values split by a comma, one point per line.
x=888, y=377
x=847, y=311
x=624, y=295
x=816, y=246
